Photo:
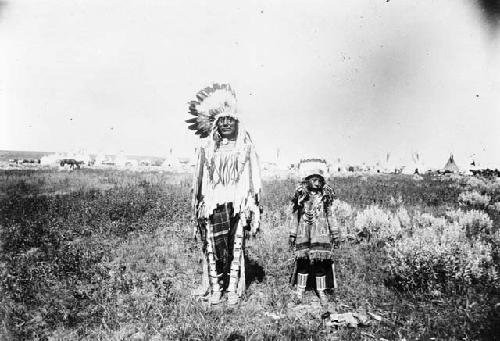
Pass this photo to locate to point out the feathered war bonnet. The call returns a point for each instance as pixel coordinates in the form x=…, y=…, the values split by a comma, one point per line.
x=211, y=103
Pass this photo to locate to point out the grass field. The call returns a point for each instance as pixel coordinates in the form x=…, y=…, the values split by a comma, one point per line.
x=109, y=255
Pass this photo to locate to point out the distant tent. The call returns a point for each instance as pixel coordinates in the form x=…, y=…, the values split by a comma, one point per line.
x=418, y=165
x=120, y=160
x=171, y=162
x=451, y=166
x=389, y=166
x=403, y=164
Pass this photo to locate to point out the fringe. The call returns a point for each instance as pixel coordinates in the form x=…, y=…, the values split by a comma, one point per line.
x=226, y=168
x=321, y=255
x=302, y=254
x=314, y=255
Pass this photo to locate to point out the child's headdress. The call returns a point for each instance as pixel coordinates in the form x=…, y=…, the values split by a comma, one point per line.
x=310, y=167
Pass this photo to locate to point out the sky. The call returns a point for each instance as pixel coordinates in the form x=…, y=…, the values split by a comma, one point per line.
x=335, y=79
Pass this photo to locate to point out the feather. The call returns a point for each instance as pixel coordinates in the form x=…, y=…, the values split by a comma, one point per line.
x=211, y=102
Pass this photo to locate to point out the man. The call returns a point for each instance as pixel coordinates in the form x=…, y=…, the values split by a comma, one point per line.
x=226, y=191
x=313, y=232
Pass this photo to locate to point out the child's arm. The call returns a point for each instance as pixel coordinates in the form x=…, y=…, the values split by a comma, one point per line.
x=294, y=222
x=294, y=225
x=294, y=212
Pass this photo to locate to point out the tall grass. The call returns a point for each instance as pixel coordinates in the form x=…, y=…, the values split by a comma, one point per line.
x=109, y=255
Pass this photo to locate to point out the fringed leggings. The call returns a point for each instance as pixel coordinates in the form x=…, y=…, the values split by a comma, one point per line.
x=225, y=245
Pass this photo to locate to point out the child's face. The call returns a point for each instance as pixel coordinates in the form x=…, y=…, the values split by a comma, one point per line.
x=315, y=182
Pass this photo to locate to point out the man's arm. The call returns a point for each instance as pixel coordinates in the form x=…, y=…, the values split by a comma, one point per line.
x=197, y=189
x=253, y=201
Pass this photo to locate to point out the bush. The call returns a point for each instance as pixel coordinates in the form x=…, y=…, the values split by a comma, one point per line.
x=495, y=207
x=404, y=218
x=441, y=258
x=343, y=213
x=396, y=201
x=474, y=222
x=425, y=220
x=474, y=199
x=373, y=222
x=342, y=210
x=474, y=183
x=484, y=185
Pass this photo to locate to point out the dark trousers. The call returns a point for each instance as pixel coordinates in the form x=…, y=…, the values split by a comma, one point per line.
x=315, y=268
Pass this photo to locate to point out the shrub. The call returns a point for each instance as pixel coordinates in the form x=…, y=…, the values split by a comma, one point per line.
x=425, y=220
x=342, y=210
x=475, y=223
x=495, y=207
x=474, y=198
x=396, y=201
x=375, y=222
x=343, y=213
x=445, y=261
x=474, y=183
x=404, y=218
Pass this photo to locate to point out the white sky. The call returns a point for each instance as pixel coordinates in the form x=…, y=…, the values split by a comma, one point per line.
x=352, y=79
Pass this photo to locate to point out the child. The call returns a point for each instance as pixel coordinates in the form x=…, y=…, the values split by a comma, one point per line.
x=313, y=233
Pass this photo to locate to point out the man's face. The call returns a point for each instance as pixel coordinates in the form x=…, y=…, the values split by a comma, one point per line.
x=227, y=127
x=315, y=182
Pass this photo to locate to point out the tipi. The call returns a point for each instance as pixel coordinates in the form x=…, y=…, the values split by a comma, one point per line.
x=121, y=159
x=451, y=166
x=171, y=162
x=388, y=165
x=418, y=164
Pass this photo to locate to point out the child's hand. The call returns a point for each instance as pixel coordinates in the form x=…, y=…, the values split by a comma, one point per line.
x=335, y=239
x=291, y=241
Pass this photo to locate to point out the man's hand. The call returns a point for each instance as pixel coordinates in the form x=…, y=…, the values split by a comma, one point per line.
x=199, y=229
x=253, y=219
x=291, y=241
x=194, y=225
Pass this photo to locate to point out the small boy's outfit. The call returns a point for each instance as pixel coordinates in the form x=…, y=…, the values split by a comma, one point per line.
x=313, y=233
